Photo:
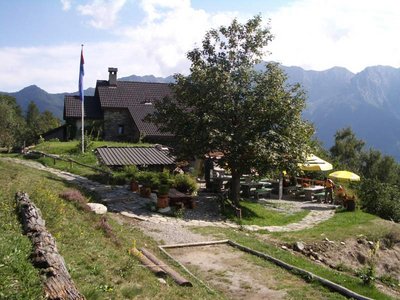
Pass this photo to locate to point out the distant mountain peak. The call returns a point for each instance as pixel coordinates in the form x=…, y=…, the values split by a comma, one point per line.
x=336, y=98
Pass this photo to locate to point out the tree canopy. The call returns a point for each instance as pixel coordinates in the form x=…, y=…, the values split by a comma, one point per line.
x=16, y=129
x=224, y=104
x=12, y=123
x=38, y=123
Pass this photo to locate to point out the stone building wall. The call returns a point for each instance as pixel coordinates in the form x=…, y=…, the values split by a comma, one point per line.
x=113, y=120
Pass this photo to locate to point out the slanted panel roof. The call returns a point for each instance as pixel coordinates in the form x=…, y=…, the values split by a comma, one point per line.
x=129, y=93
x=73, y=107
x=125, y=156
x=138, y=113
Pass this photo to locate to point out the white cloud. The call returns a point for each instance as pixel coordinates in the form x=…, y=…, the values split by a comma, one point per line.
x=309, y=33
x=103, y=13
x=321, y=34
x=169, y=30
x=66, y=4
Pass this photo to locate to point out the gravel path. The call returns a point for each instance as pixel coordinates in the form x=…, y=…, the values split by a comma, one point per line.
x=176, y=230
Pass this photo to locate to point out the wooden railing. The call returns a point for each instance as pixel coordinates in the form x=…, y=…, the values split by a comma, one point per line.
x=70, y=160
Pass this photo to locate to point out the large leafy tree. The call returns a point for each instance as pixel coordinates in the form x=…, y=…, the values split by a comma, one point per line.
x=379, y=167
x=38, y=123
x=12, y=123
x=253, y=118
x=347, y=149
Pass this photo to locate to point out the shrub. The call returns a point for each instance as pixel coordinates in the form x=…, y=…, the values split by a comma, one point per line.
x=166, y=178
x=72, y=195
x=185, y=183
x=391, y=238
x=163, y=189
x=367, y=274
x=380, y=199
x=149, y=179
x=75, y=196
x=87, y=143
x=130, y=171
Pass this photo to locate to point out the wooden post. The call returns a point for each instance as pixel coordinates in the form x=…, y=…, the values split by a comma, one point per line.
x=175, y=275
x=58, y=283
x=147, y=262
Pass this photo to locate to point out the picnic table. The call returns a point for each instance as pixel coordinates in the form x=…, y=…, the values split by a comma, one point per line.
x=176, y=197
x=248, y=187
x=311, y=190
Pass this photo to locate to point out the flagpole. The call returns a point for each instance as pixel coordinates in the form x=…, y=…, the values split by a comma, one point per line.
x=82, y=96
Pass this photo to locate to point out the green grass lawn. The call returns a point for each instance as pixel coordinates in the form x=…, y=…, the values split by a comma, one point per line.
x=342, y=225
x=100, y=268
x=70, y=150
x=254, y=213
x=71, y=147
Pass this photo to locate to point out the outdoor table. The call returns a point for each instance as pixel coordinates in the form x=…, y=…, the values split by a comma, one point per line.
x=311, y=190
x=178, y=197
x=247, y=186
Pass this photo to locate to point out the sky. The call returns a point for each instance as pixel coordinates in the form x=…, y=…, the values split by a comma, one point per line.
x=40, y=40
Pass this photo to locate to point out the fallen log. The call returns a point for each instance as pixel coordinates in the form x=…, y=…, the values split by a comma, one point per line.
x=57, y=282
x=156, y=269
x=178, y=278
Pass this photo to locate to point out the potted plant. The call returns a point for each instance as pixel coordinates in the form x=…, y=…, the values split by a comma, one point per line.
x=145, y=181
x=134, y=184
x=132, y=173
x=185, y=184
x=162, y=196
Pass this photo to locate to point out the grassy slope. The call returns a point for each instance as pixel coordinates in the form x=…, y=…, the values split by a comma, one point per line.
x=70, y=150
x=100, y=269
x=343, y=225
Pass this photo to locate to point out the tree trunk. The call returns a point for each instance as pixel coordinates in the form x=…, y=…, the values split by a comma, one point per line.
x=235, y=188
x=58, y=283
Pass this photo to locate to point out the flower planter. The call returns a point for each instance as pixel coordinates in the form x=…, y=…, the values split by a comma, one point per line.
x=162, y=201
x=145, y=192
x=134, y=186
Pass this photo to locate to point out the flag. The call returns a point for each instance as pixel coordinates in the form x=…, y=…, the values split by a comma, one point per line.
x=81, y=74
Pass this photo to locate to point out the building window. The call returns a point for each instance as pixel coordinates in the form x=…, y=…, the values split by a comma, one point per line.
x=120, y=129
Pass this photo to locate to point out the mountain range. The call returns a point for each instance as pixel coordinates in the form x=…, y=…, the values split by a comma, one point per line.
x=368, y=102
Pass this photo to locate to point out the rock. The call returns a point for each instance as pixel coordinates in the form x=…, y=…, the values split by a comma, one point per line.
x=342, y=243
x=362, y=259
x=361, y=240
x=97, y=208
x=162, y=280
x=298, y=246
x=371, y=243
x=284, y=247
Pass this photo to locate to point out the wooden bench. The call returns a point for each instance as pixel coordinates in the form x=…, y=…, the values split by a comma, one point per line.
x=319, y=196
x=262, y=192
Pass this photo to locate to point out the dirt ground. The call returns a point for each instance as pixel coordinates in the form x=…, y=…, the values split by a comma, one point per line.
x=236, y=274
x=354, y=254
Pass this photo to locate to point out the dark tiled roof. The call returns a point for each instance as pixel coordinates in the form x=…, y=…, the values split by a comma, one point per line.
x=139, y=156
x=138, y=113
x=129, y=93
x=73, y=107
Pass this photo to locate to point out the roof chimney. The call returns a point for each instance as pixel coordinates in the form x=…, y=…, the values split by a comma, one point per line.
x=112, y=76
